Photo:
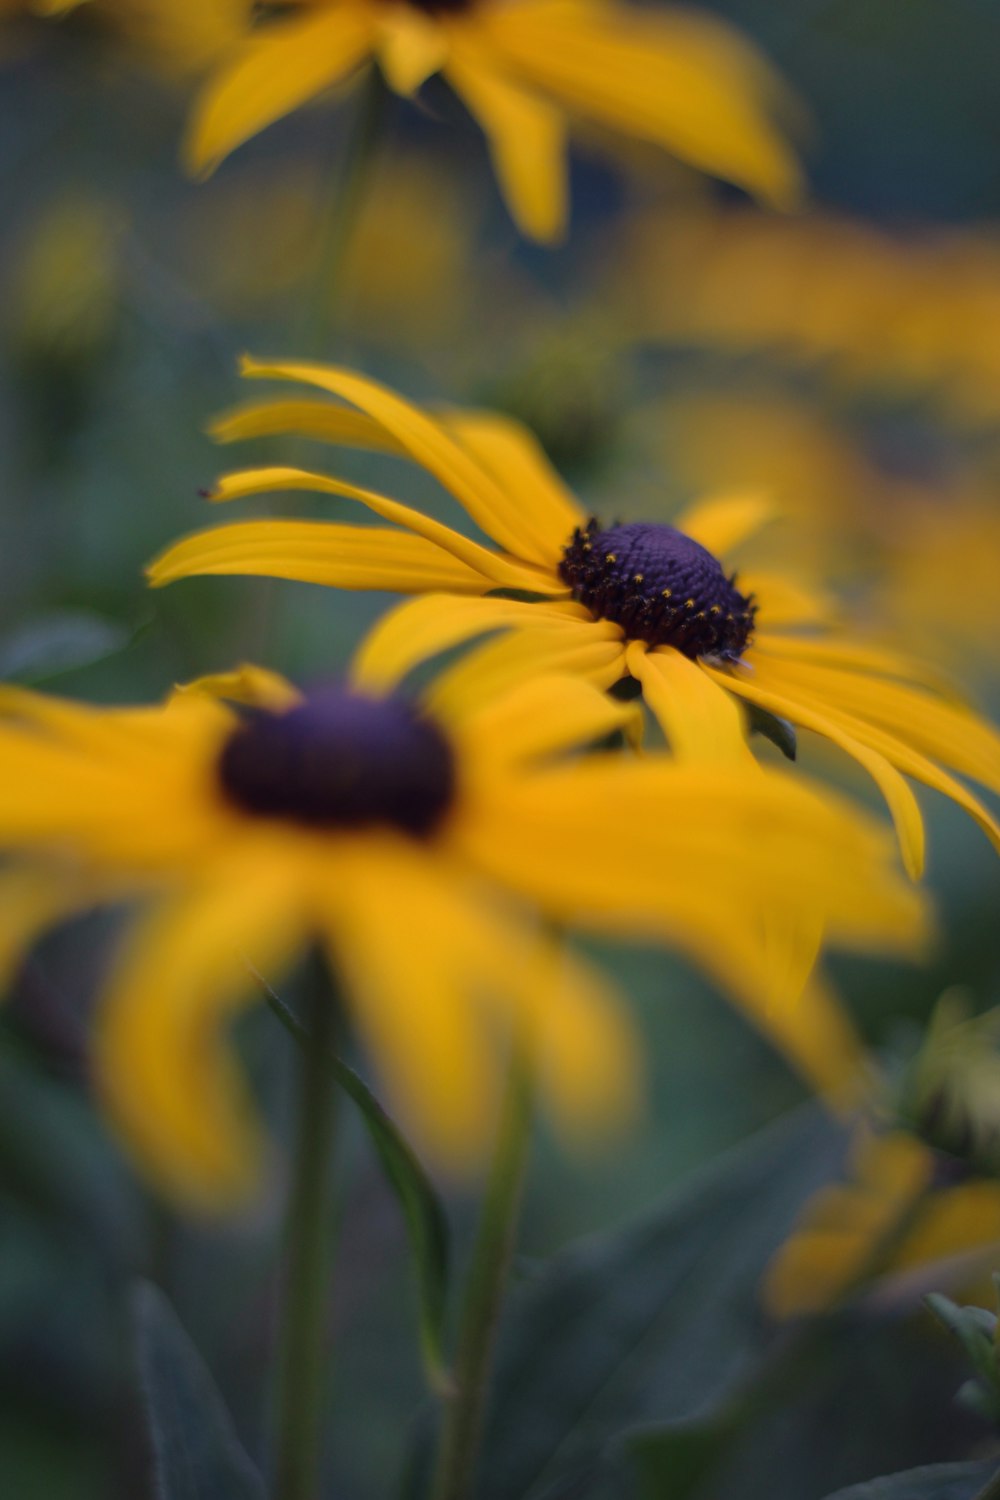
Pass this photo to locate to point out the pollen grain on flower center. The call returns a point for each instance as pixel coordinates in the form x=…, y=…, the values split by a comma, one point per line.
x=341, y=760
x=660, y=586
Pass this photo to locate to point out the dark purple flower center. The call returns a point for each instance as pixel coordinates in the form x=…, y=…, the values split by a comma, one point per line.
x=341, y=760
x=660, y=586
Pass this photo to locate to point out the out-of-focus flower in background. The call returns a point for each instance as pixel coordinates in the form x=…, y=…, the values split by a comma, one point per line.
x=644, y=600
x=360, y=822
x=685, y=81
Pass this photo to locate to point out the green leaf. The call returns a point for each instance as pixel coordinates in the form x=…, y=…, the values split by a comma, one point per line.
x=60, y=641
x=676, y=1460
x=197, y=1453
x=975, y=1328
x=426, y=1223
x=938, y=1482
x=657, y=1321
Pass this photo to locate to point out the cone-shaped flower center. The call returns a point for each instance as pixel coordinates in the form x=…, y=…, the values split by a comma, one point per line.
x=660, y=586
x=341, y=760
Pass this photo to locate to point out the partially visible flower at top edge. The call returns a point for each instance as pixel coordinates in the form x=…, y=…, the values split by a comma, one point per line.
x=633, y=599
x=676, y=78
x=244, y=820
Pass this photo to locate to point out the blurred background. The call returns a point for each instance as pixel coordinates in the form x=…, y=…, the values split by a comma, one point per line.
x=847, y=359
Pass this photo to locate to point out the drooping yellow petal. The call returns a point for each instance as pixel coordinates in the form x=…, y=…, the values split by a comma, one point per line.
x=855, y=654
x=700, y=720
x=164, y=1065
x=944, y=731
x=900, y=800
x=411, y=46
x=255, y=686
x=516, y=459
x=505, y=572
x=326, y=552
x=815, y=1033
x=493, y=508
x=527, y=140
x=311, y=419
x=541, y=717
x=722, y=522
x=421, y=628
x=592, y=650
x=439, y=1030
x=272, y=74
x=679, y=79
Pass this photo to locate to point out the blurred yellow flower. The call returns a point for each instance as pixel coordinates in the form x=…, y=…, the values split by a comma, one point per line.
x=895, y=312
x=523, y=68
x=896, y=1224
x=642, y=599
x=416, y=850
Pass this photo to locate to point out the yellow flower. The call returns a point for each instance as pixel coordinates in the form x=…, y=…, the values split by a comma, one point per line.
x=681, y=80
x=641, y=600
x=897, y=1224
x=419, y=851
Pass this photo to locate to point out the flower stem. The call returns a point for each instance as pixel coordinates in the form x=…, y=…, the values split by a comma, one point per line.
x=323, y=306
x=487, y=1278
x=302, y=1367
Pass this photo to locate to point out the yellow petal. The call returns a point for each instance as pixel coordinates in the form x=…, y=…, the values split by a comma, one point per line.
x=721, y=522
x=440, y=1031
x=343, y=557
x=944, y=731
x=754, y=686
x=272, y=74
x=255, y=686
x=591, y=650
x=311, y=419
x=786, y=601
x=411, y=46
x=516, y=459
x=527, y=140
x=542, y=717
x=493, y=507
x=679, y=79
x=815, y=1033
x=858, y=655
x=421, y=628
x=505, y=572
x=166, y=1071
x=701, y=722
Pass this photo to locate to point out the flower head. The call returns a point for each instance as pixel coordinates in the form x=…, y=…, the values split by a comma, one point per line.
x=678, y=79
x=418, y=850
x=647, y=600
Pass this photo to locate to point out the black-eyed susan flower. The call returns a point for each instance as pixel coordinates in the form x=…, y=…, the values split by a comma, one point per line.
x=605, y=602
x=420, y=852
x=524, y=69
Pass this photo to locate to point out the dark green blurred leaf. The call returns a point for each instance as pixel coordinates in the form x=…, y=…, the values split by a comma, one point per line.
x=975, y=1328
x=60, y=642
x=939, y=1482
x=654, y=1323
x=675, y=1461
x=425, y=1218
x=197, y=1453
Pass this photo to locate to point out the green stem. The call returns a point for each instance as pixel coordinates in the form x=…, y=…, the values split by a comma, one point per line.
x=323, y=304
x=302, y=1366
x=484, y=1289
x=990, y=1490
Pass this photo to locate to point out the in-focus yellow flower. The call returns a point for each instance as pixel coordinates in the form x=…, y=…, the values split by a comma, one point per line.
x=523, y=68
x=639, y=599
x=907, y=1220
x=419, y=851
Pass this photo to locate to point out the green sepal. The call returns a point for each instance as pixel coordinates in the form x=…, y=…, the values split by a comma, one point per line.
x=779, y=731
